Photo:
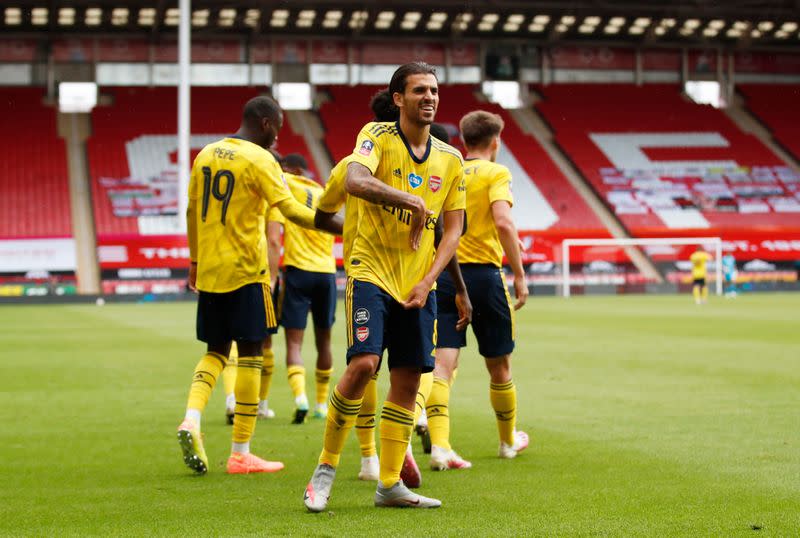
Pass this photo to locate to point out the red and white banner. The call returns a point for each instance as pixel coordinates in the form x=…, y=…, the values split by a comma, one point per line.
x=170, y=251
x=24, y=255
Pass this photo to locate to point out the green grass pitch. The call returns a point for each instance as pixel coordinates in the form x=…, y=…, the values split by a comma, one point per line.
x=649, y=416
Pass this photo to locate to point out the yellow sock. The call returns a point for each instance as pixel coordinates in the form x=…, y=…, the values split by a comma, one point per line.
x=323, y=379
x=365, y=422
x=229, y=373
x=423, y=393
x=504, y=402
x=248, y=379
x=704, y=293
x=297, y=379
x=205, y=377
x=341, y=418
x=438, y=413
x=266, y=374
x=396, y=426
x=696, y=293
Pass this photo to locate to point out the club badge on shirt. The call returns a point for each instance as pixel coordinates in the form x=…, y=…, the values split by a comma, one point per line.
x=362, y=333
x=435, y=183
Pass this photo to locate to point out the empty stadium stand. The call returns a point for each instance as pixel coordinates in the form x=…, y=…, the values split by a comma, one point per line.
x=776, y=105
x=667, y=165
x=34, y=178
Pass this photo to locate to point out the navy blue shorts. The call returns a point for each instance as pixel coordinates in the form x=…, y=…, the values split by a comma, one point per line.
x=244, y=315
x=377, y=322
x=492, y=311
x=302, y=291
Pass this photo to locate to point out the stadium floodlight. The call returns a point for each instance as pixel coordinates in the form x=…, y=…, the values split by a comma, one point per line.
x=173, y=17
x=66, y=16
x=660, y=30
x=39, y=16
x=516, y=18
x=636, y=30
x=358, y=19
x=733, y=32
x=586, y=28
x=561, y=28
x=13, y=16
x=200, y=17
x=541, y=19
x=147, y=16
x=77, y=96
x=716, y=24
x=485, y=26
x=668, y=23
x=510, y=27
x=789, y=26
x=766, y=26
x=93, y=16
x=644, y=22
x=386, y=16
x=569, y=20
x=280, y=14
x=616, y=21
x=755, y=34
x=567, y=244
x=433, y=25
x=710, y=32
x=536, y=27
x=438, y=16
x=611, y=29
x=691, y=23
x=780, y=34
x=686, y=31
x=119, y=16
x=592, y=20
x=741, y=25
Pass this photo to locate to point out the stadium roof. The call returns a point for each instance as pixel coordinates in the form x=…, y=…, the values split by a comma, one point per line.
x=732, y=23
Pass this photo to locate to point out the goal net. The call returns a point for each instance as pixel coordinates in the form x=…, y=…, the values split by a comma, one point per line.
x=636, y=265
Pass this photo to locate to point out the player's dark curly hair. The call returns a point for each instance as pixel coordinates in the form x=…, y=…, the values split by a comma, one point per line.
x=383, y=107
x=260, y=107
x=398, y=83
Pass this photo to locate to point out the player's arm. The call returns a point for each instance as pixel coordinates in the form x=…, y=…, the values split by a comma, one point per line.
x=360, y=183
x=274, y=234
x=507, y=232
x=191, y=232
x=453, y=223
x=463, y=304
x=332, y=223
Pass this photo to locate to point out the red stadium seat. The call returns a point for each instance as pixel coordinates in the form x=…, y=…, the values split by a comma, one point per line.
x=34, y=178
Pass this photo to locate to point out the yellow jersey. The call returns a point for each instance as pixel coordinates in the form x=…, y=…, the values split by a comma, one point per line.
x=232, y=183
x=381, y=253
x=309, y=250
x=486, y=182
x=699, y=259
x=332, y=200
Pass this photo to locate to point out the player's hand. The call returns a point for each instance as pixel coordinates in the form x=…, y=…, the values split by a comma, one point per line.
x=193, y=276
x=464, y=307
x=520, y=291
x=418, y=296
x=419, y=214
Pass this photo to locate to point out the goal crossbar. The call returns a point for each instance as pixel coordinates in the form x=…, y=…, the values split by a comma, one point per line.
x=629, y=242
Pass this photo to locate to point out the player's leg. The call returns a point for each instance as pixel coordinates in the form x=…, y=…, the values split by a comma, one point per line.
x=365, y=431
x=449, y=341
x=267, y=369
x=229, y=381
x=493, y=324
x=365, y=340
x=296, y=372
x=411, y=352
x=704, y=292
x=696, y=291
x=252, y=315
x=323, y=313
x=296, y=303
x=212, y=328
x=443, y=456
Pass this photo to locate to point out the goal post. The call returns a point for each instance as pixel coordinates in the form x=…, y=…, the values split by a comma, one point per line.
x=625, y=242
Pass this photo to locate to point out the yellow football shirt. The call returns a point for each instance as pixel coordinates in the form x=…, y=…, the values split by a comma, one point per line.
x=381, y=253
x=232, y=183
x=309, y=250
x=699, y=260
x=486, y=183
x=332, y=200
